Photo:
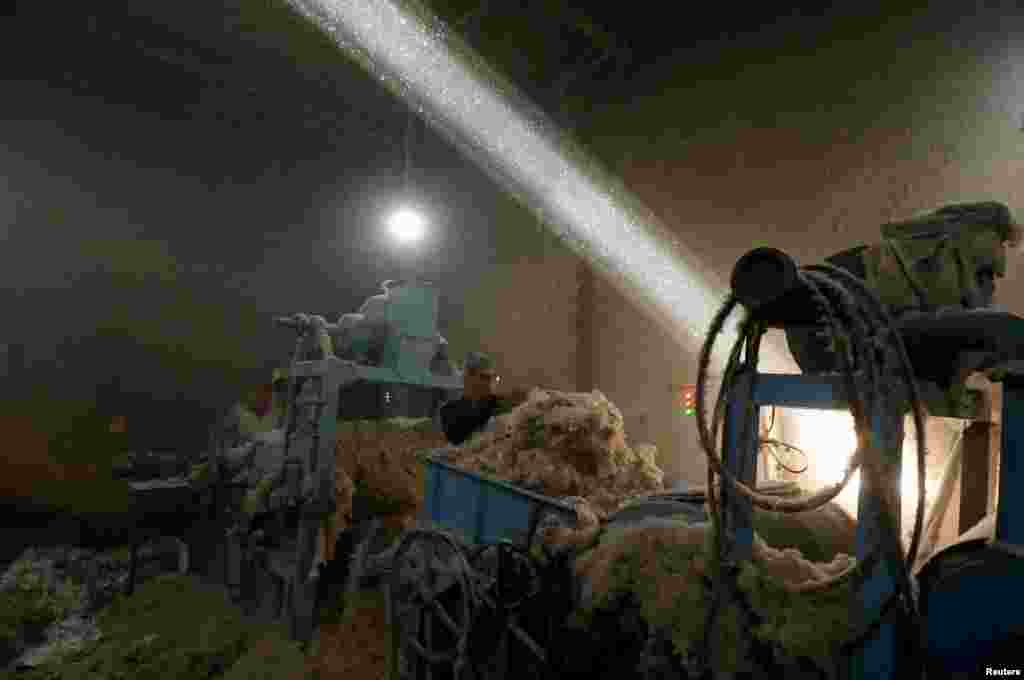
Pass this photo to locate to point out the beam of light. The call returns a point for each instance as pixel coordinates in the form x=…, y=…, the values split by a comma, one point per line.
x=404, y=45
x=829, y=438
x=407, y=226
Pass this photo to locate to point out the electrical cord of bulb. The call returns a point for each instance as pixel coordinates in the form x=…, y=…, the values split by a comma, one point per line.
x=772, y=445
x=862, y=330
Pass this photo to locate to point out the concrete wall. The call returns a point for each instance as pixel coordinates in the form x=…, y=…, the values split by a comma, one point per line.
x=810, y=153
x=524, y=314
x=640, y=368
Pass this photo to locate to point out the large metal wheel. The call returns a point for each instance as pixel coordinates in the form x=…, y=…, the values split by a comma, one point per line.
x=431, y=605
x=506, y=579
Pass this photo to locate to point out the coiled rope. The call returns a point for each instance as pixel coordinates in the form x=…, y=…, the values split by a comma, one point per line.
x=862, y=334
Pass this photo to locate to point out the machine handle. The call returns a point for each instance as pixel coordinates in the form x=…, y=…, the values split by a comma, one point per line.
x=297, y=322
x=763, y=275
x=305, y=324
x=767, y=282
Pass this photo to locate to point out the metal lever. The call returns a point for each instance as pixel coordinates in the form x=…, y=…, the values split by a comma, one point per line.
x=305, y=325
x=298, y=322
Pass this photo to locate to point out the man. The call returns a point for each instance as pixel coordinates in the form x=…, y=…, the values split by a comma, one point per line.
x=462, y=418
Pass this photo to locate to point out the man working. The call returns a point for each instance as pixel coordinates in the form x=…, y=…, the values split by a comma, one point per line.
x=464, y=417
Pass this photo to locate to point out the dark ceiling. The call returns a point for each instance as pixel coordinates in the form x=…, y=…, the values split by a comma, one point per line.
x=243, y=62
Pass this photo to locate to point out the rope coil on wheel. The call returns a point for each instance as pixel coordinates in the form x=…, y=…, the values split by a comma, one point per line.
x=863, y=337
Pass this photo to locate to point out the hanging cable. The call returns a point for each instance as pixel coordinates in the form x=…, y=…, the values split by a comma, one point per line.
x=771, y=445
x=406, y=167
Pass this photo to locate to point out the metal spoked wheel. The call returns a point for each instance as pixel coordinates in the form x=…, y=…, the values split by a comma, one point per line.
x=431, y=604
x=506, y=579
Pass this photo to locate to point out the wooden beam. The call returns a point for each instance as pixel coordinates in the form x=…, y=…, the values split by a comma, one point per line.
x=974, y=476
x=980, y=453
x=995, y=448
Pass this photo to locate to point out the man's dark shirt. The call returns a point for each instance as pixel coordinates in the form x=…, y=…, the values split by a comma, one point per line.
x=461, y=418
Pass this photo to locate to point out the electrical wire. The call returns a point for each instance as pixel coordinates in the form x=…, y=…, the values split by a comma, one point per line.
x=773, y=445
x=407, y=160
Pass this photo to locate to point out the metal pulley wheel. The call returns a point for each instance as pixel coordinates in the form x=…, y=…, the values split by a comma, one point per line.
x=506, y=579
x=431, y=603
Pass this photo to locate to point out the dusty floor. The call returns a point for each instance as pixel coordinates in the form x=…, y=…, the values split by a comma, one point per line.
x=357, y=646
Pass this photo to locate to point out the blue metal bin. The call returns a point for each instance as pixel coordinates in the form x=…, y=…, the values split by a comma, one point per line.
x=482, y=509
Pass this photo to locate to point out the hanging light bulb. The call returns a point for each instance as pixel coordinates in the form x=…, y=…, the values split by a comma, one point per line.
x=407, y=225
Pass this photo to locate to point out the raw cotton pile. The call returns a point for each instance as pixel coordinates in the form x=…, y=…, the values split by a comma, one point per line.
x=818, y=534
x=665, y=569
x=564, y=444
x=376, y=461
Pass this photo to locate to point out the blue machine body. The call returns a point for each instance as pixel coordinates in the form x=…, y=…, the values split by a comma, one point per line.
x=977, y=606
x=974, y=609
x=806, y=392
x=971, y=607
